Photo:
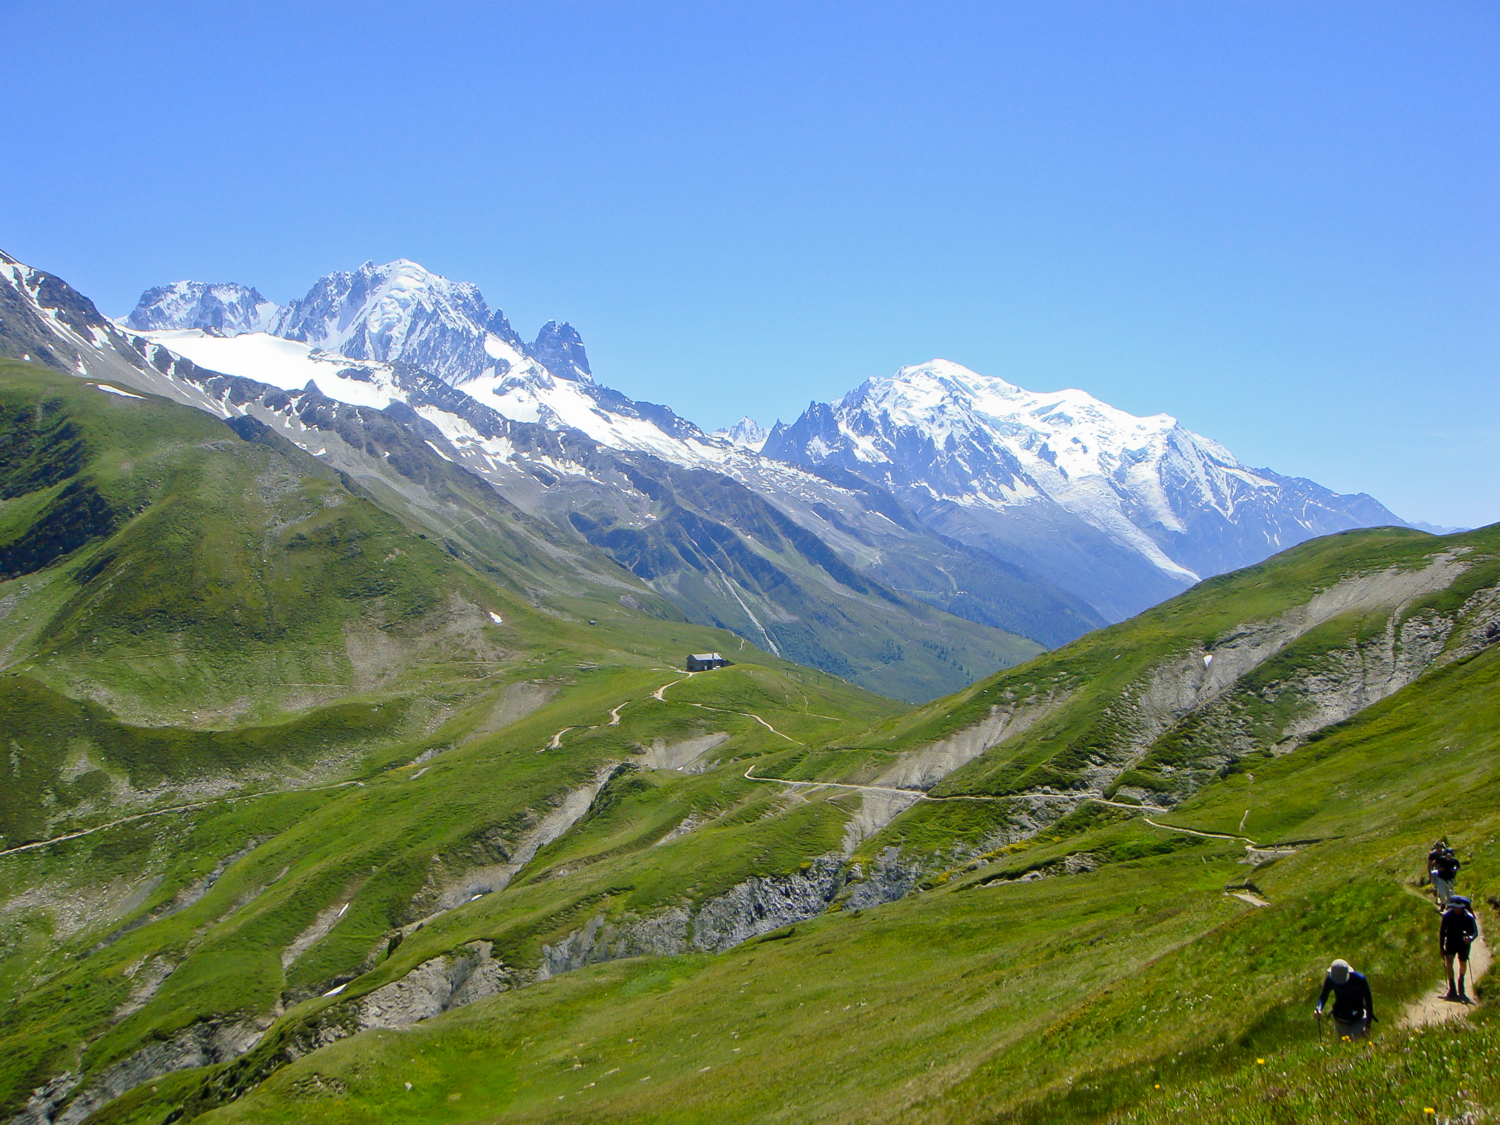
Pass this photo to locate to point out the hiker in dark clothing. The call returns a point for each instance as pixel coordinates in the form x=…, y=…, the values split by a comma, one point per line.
x=1442, y=869
x=1353, y=1006
x=1459, y=930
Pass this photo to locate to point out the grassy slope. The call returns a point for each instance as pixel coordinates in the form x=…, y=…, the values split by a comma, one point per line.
x=1064, y=999
x=806, y=600
x=980, y=1000
x=80, y=919
x=373, y=846
x=1091, y=677
x=228, y=577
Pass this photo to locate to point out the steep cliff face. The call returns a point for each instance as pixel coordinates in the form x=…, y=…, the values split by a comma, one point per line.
x=756, y=906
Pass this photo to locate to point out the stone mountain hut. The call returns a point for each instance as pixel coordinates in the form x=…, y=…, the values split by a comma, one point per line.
x=704, y=661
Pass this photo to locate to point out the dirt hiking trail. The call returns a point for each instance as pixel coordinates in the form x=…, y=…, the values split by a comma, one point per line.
x=1431, y=1008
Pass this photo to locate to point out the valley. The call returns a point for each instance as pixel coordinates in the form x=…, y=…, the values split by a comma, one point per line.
x=354, y=772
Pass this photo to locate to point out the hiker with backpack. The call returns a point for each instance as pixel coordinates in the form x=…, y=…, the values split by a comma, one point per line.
x=1442, y=869
x=1459, y=931
x=1353, y=1006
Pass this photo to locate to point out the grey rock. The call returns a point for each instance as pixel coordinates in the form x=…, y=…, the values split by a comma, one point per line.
x=889, y=879
x=757, y=906
x=463, y=977
x=202, y=1044
x=226, y=308
x=559, y=349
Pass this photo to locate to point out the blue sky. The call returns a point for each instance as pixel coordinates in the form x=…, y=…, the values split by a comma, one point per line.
x=1277, y=222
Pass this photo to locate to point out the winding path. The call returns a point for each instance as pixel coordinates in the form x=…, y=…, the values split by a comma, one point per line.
x=660, y=698
x=1194, y=832
x=923, y=795
x=172, y=809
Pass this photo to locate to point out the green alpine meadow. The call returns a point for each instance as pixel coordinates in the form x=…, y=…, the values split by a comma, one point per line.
x=315, y=814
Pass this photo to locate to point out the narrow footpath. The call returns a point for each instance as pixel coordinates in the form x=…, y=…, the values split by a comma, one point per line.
x=661, y=698
x=923, y=795
x=173, y=809
x=1431, y=1008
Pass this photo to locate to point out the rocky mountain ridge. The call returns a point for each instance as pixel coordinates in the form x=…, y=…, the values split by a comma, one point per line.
x=227, y=308
x=398, y=312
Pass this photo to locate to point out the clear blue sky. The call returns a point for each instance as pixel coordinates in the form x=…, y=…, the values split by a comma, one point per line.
x=1278, y=222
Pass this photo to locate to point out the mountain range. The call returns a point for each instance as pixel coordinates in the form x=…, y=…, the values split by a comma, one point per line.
x=1119, y=510
x=1030, y=518
x=1122, y=511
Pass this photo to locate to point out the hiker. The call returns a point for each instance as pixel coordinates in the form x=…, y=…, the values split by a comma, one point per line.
x=1353, y=1006
x=1442, y=869
x=1459, y=930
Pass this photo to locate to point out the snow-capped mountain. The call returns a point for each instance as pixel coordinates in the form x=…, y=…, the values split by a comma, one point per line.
x=1040, y=514
x=834, y=574
x=747, y=433
x=1065, y=484
x=1120, y=511
x=227, y=308
x=400, y=312
x=559, y=349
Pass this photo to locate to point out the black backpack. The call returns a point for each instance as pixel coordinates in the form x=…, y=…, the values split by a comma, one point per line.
x=1463, y=918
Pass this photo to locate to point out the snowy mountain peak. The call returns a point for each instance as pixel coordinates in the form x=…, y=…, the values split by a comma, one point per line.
x=559, y=349
x=940, y=394
x=747, y=433
x=989, y=462
x=227, y=308
x=1120, y=511
x=396, y=312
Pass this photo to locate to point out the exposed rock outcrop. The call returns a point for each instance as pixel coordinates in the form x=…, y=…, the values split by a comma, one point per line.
x=433, y=987
x=202, y=1044
x=758, y=905
x=887, y=880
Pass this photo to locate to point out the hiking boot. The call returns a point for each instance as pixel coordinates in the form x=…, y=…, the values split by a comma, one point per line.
x=1464, y=996
x=1453, y=995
